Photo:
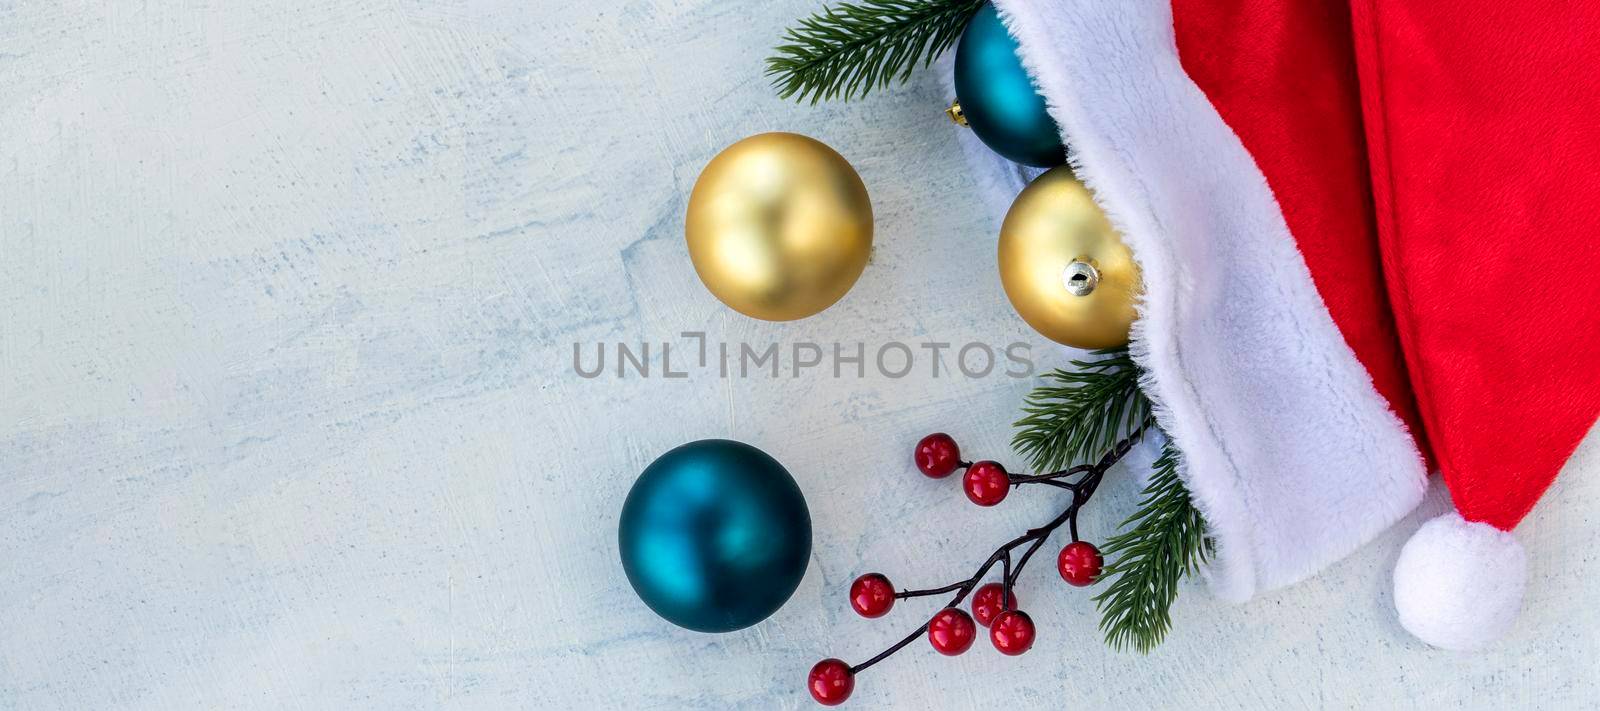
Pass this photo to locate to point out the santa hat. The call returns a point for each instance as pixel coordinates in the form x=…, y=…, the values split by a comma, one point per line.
x=1370, y=237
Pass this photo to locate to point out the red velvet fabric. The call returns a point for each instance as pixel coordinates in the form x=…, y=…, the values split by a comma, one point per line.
x=1440, y=162
x=1282, y=74
x=1484, y=120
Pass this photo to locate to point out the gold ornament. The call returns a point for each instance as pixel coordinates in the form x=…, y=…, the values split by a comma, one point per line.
x=1064, y=268
x=779, y=226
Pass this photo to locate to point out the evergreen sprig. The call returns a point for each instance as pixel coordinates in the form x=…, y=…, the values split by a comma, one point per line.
x=1164, y=541
x=850, y=49
x=1080, y=416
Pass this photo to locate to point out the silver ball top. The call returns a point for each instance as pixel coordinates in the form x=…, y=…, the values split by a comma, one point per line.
x=1080, y=277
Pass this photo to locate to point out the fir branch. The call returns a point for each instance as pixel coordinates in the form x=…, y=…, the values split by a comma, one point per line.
x=849, y=49
x=1083, y=414
x=1167, y=540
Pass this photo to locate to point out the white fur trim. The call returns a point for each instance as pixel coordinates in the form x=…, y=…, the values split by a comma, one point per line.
x=1459, y=584
x=1292, y=455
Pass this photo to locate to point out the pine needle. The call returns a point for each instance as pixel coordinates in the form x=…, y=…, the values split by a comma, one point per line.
x=1166, y=541
x=848, y=50
x=1083, y=414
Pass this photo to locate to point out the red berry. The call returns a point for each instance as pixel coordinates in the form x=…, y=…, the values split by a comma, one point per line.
x=937, y=455
x=831, y=682
x=1080, y=563
x=1012, y=632
x=872, y=595
x=951, y=631
x=986, y=483
x=986, y=603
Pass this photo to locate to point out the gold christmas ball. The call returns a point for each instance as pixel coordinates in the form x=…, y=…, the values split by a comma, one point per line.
x=1065, y=270
x=779, y=226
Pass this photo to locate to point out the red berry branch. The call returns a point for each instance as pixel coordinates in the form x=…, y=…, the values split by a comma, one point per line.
x=951, y=630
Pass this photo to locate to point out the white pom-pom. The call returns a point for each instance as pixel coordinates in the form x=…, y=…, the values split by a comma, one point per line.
x=1458, y=584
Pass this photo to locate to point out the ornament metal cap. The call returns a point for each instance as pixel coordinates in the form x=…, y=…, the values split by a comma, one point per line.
x=1080, y=277
x=954, y=112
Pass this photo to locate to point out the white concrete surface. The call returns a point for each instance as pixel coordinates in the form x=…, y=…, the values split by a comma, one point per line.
x=288, y=420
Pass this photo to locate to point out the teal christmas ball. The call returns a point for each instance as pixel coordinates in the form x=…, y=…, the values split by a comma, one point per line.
x=998, y=100
x=715, y=535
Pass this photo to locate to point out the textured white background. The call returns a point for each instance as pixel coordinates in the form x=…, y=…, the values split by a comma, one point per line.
x=287, y=416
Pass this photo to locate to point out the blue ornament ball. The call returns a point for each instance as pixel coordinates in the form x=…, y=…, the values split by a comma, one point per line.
x=999, y=100
x=715, y=535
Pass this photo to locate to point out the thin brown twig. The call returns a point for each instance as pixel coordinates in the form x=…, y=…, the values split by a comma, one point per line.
x=1082, y=490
